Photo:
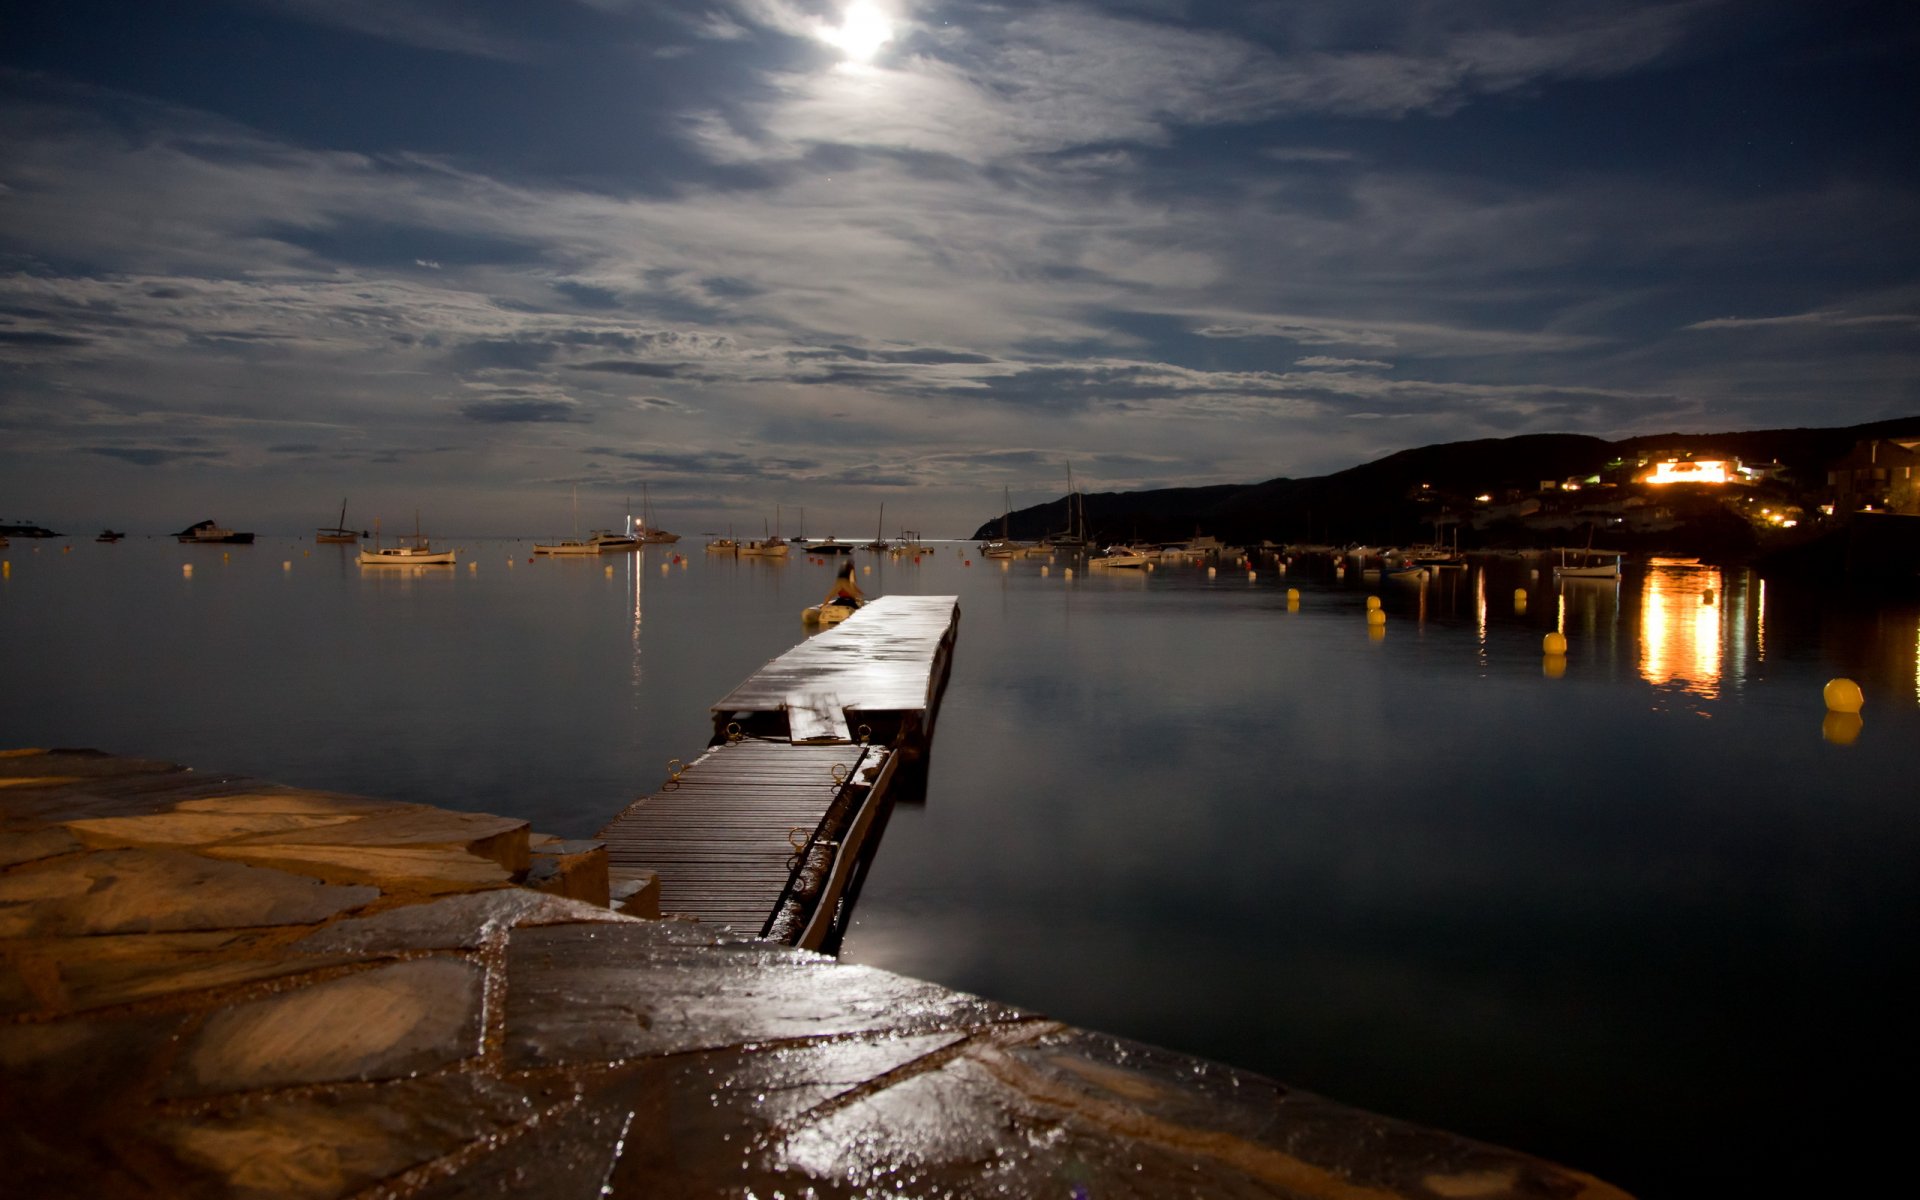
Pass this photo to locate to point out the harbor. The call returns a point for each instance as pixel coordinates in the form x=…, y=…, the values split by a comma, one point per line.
x=215, y=985
x=1170, y=806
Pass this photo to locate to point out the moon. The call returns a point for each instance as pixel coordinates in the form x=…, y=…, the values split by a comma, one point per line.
x=862, y=31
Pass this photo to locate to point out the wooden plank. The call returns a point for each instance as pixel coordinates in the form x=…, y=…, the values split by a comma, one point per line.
x=718, y=836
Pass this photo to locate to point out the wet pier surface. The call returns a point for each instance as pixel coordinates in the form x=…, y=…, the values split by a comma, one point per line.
x=213, y=986
x=766, y=833
x=882, y=668
x=723, y=835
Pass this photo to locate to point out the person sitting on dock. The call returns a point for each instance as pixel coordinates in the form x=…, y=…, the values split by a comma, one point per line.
x=844, y=592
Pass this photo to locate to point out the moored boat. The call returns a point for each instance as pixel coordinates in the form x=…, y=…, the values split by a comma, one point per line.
x=1588, y=564
x=339, y=534
x=1120, y=557
x=109, y=535
x=211, y=533
x=417, y=552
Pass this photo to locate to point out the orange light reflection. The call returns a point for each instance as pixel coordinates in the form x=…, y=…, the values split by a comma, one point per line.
x=1680, y=627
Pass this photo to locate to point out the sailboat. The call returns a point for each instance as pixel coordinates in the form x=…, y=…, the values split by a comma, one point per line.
x=419, y=554
x=1588, y=563
x=648, y=534
x=339, y=535
x=1004, y=546
x=572, y=545
x=768, y=547
x=1075, y=537
x=879, y=543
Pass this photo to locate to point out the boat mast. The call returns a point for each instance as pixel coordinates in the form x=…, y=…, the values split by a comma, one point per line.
x=1006, y=515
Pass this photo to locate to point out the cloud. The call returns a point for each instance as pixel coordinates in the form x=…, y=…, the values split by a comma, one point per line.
x=621, y=366
x=1322, y=361
x=1822, y=320
x=30, y=337
x=445, y=25
x=511, y=410
x=149, y=456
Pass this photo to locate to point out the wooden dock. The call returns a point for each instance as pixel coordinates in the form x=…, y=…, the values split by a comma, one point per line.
x=767, y=833
x=883, y=668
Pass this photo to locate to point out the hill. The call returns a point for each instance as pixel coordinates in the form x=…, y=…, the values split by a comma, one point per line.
x=1397, y=498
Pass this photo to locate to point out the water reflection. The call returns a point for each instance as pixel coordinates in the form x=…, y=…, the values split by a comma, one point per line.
x=1681, y=627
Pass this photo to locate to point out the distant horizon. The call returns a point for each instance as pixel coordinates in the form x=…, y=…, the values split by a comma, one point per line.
x=279, y=528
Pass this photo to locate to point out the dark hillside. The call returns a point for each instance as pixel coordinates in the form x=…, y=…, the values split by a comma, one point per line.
x=1397, y=498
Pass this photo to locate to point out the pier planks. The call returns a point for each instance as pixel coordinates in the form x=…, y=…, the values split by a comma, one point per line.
x=722, y=836
x=719, y=836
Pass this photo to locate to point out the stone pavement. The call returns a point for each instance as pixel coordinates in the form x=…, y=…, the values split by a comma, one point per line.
x=211, y=986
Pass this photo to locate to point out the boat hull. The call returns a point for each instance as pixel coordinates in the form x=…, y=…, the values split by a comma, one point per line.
x=408, y=557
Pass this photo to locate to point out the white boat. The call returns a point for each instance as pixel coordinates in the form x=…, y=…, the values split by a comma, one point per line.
x=417, y=553
x=909, y=543
x=1410, y=574
x=575, y=545
x=1004, y=546
x=608, y=541
x=1120, y=557
x=826, y=614
x=769, y=545
x=1587, y=564
x=421, y=555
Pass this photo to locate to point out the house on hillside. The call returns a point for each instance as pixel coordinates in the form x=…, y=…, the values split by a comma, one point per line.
x=1882, y=473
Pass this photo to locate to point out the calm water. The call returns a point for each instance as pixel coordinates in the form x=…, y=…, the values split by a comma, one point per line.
x=1642, y=918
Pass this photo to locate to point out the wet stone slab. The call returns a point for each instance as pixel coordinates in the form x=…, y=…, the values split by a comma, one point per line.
x=213, y=986
x=154, y=891
x=377, y=1024
x=572, y=996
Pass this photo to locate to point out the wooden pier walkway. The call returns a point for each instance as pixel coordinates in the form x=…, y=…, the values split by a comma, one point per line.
x=882, y=667
x=766, y=832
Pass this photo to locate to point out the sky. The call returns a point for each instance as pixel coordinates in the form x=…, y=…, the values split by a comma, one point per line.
x=477, y=257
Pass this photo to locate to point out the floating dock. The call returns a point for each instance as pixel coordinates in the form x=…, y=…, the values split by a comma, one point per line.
x=769, y=832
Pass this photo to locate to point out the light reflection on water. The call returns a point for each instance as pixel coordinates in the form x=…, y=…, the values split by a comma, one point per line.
x=1416, y=873
x=1680, y=627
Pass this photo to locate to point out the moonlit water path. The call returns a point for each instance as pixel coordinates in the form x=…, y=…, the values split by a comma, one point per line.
x=1641, y=918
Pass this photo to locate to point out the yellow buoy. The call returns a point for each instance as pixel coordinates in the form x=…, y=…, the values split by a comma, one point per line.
x=473, y=566
x=1212, y=571
x=186, y=569
x=1373, y=602
x=1045, y=570
x=285, y=565
x=1068, y=572
x=1842, y=696
x=1554, y=643
x=1280, y=567
x=1519, y=595
x=1252, y=575
x=6, y=569
x=1841, y=728
x=226, y=557
x=1376, y=616
x=1293, y=595
x=609, y=570
x=665, y=567
x=866, y=570
x=1553, y=666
